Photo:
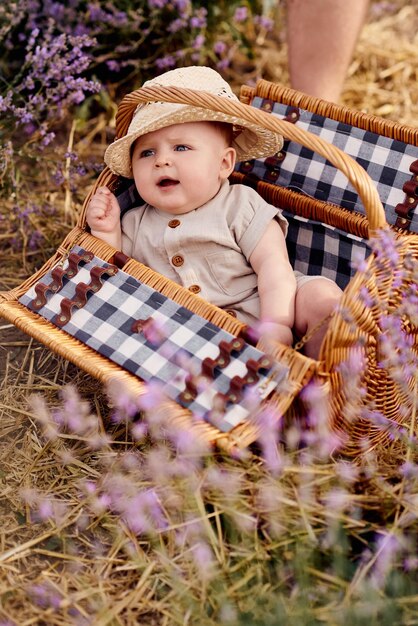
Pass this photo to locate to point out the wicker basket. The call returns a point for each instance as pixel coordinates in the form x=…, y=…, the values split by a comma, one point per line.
x=343, y=339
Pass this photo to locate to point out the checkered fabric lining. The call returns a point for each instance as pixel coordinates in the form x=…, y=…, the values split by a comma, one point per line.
x=319, y=249
x=105, y=324
x=386, y=160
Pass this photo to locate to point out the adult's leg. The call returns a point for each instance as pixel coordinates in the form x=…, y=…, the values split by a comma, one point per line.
x=315, y=300
x=321, y=36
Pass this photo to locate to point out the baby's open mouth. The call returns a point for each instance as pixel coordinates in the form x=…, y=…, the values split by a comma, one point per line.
x=167, y=182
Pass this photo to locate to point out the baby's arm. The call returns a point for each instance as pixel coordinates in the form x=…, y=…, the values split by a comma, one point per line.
x=103, y=217
x=276, y=284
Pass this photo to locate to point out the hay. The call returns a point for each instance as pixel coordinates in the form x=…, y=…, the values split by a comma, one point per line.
x=63, y=563
x=383, y=76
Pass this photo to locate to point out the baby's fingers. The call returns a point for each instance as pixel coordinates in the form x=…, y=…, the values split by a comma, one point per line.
x=105, y=198
x=97, y=212
x=100, y=201
x=104, y=191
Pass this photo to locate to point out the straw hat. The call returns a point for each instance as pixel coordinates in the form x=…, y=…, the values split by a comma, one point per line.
x=250, y=140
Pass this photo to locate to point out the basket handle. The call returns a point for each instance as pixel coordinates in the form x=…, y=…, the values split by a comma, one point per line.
x=357, y=176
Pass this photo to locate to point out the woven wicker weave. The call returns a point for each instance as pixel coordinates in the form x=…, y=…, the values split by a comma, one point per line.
x=340, y=341
x=384, y=393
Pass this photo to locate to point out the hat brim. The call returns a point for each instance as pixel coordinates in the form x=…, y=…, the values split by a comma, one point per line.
x=253, y=142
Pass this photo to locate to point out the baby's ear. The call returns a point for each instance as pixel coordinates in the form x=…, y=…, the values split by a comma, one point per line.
x=228, y=162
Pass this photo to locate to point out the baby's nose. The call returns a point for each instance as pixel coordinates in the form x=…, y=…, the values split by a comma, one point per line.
x=162, y=160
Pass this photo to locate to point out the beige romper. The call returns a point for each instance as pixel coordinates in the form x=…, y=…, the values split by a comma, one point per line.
x=206, y=250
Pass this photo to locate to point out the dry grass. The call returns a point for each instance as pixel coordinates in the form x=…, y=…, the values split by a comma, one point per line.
x=94, y=570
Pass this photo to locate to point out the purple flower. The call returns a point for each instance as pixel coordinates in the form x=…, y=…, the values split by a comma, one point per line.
x=109, y=16
x=337, y=500
x=157, y=4
x=397, y=348
x=318, y=434
x=204, y=560
x=139, y=431
x=90, y=486
x=35, y=241
x=52, y=81
x=182, y=5
x=45, y=595
x=32, y=38
x=198, y=42
x=348, y=472
x=409, y=470
x=365, y=296
x=125, y=403
x=45, y=509
x=268, y=424
x=411, y=564
x=153, y=396
x=165, y=62
x=264, y=22
x=141, y=511
x=386, y=249
x=220, y=47
x=177, y=25
x=359, y=262
x=114, y=66
x=387, y=550
x=199, y=19
x=241, y=14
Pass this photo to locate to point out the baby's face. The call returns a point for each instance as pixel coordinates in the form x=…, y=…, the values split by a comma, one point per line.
x=179, y=168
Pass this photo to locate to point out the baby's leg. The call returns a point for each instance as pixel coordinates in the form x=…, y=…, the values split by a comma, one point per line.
x=316, y=298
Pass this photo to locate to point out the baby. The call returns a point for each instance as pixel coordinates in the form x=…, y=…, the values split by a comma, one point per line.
x=221, y=241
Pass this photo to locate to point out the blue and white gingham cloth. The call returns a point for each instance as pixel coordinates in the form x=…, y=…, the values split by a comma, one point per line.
x=104, y=323
x=316, y=248
x=387, y=162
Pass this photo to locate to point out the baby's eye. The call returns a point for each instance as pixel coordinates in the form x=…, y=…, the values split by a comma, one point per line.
x=146, y=153
x=181, y=148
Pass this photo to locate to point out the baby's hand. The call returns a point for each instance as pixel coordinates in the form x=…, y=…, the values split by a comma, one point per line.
x=103, y=212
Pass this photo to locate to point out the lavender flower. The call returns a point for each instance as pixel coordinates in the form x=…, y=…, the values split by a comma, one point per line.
x=220, y=47
x=45, y=595
x=157, y=4
x=204, y=561
x=165, y=62
x=398, y=349
x=198, y=20
x=318, y=433
x=183, y=6
x=263, y=22
x=107, y=16
x=241, y=14
x=125, y=403
x=198, y=42
x=267, y=421
x=44, y=507
x=177, y=25
x=388, y=547
x=51, y=80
